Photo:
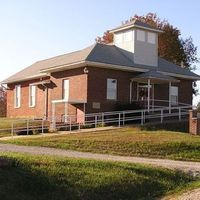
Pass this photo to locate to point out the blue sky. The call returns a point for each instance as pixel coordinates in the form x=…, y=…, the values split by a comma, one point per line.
x=37, y=29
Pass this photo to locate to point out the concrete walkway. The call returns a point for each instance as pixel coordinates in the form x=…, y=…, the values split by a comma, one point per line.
x=191, y=167
x=59, y=133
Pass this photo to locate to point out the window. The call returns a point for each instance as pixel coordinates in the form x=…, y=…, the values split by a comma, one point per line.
x=141, y=35
x=111, y=89
x=17, y=96
x=174, y=95
x=128, y=36
x=151, y=38
x=66, y=89
x=32, y=96
x=118, y=38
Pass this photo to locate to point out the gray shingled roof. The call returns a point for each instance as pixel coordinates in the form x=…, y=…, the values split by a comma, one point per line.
x=64, y=59
x=101, y=53
x=155, y=75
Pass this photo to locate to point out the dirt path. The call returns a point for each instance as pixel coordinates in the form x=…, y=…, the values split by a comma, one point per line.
x=190, y=195
x=191, y=167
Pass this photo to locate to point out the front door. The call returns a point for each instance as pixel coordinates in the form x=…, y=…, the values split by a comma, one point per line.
x=142, y=94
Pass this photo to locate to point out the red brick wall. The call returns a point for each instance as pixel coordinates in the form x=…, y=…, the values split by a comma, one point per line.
x=24, y=110
x=90, y=87
x=97, y=88
x=194, y=122
x=77, y=89
x=161, y=91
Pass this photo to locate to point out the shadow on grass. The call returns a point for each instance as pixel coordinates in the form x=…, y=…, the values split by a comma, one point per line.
x=69, y=179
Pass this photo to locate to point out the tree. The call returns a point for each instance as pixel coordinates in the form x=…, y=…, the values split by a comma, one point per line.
x=3, y=101
x=171, y=46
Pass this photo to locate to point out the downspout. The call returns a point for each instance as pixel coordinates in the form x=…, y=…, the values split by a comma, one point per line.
x=131, y=88
x=45, y=101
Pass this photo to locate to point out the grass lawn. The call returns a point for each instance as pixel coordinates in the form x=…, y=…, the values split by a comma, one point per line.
x=6, y=125
x=125, y=141
x=31, y=177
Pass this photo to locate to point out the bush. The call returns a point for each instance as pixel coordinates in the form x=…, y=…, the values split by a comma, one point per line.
x=127, y=106
x=182, y=126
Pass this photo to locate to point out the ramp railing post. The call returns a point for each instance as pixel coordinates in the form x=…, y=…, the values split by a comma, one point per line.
x=119, y=121
x=27, y=126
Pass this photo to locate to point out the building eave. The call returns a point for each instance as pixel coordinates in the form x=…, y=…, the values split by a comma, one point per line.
x=194, y=78
x=134, y=26
x=64, y=67
x=41, y=75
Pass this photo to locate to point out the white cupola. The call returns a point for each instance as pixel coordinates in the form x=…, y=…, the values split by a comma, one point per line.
x=140, y=39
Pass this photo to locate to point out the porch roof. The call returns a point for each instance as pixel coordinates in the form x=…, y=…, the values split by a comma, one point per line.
x=155, y=77
x=69, y=101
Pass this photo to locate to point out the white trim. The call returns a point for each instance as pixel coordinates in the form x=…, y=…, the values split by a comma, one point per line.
x=116, y=67
x=134, y=26
x=26, y=78
x=65, y=91
x=176, y=95
x=30, y=96
x=15, y=97
x=170, y=85
x=149, y=86
x=68, y=101
x=109, y=89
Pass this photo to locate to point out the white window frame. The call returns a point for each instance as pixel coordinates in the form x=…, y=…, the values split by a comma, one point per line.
x=17, y=96
x=65, y=91
x=151, y=38
x=32, y=95
x=111, y=93
x=174, y=95
x=141, y=35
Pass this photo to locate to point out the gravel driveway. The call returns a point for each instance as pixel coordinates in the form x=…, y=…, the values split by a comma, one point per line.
x=191, y=167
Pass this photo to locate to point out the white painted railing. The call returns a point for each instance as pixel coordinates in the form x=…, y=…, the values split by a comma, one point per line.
x=26, y=126
x=121, y=118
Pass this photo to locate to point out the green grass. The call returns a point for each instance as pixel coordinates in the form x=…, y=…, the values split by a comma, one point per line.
x=40, y=177
x=6, y=125
x=125, y=141
x=7, y=122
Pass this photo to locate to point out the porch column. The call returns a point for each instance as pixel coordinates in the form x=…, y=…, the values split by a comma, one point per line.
x=66, y=111
x=170, y=84
x=131, y=88
x=84, y=113
x=53, y=120
x=148, y=99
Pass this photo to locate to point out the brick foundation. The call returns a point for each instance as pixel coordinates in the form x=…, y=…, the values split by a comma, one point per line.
x=194, y=122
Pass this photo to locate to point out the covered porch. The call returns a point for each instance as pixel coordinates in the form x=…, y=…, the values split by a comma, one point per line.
x=78, y=115
x=146, y=83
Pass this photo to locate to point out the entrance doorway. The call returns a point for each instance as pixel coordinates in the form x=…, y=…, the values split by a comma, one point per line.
x=142, y=94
